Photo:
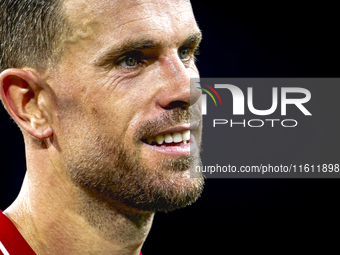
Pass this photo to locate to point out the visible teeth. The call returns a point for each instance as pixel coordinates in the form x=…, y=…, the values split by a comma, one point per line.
x=177, y=137
x=171, y=137
x=160, y=139
x=150, y=140
x=168, y=138
x=186, y=135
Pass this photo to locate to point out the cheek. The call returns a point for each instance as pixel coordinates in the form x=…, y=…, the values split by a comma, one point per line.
x=112, y=117
x=193, y=71
x=110, y=108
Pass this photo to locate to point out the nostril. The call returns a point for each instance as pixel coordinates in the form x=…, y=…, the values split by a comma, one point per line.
x=175, y=104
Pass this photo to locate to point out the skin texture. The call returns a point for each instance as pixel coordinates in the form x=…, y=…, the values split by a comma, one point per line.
x=92, y=186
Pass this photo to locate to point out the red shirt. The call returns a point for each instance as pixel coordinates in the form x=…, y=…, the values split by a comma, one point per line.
x=11, y=241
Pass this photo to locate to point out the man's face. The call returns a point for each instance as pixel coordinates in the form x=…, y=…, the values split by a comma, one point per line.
x=123, y=83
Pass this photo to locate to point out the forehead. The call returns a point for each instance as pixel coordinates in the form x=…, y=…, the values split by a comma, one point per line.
x=111, y=20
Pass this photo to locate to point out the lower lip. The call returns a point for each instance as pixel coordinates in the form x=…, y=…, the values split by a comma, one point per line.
x=183, y=150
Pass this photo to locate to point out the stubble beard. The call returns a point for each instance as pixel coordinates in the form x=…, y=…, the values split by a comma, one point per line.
x=107, y=171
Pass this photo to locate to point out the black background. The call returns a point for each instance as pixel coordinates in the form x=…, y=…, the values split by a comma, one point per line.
x=240, y=214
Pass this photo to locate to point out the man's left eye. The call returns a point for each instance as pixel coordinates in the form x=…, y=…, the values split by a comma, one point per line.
x=184, y=54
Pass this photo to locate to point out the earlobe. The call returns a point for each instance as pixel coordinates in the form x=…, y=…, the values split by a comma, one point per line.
x=21, y=96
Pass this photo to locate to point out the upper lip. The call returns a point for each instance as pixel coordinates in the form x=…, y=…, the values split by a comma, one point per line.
x=178, y=128
x=175, y=129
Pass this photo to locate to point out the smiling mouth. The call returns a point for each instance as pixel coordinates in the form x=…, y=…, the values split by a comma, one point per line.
x=169, y=139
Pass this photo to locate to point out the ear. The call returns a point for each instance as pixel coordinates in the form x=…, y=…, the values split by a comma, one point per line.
x=23, y=99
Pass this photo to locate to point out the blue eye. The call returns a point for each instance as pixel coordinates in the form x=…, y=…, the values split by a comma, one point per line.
x=183, y=54
x=131, y=59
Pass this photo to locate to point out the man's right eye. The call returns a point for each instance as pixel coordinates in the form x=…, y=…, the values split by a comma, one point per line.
x=131, y=59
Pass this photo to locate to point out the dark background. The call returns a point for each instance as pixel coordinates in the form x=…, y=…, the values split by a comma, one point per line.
x=262, y=215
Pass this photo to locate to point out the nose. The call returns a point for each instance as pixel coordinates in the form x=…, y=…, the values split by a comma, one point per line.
x=177, y=90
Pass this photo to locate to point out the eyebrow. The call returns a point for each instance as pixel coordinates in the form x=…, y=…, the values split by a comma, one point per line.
x=193, y=39
x=141, y=43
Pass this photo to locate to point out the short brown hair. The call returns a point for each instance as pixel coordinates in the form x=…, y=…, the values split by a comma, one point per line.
x=31, y=33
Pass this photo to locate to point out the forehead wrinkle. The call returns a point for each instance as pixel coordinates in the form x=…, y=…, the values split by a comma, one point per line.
x=82, y=12
x=85, y=9
x=86, y=14
x=94, y=24
x=129, y=21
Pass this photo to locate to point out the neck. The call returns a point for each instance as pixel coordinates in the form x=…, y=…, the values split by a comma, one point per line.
x=57, y=218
